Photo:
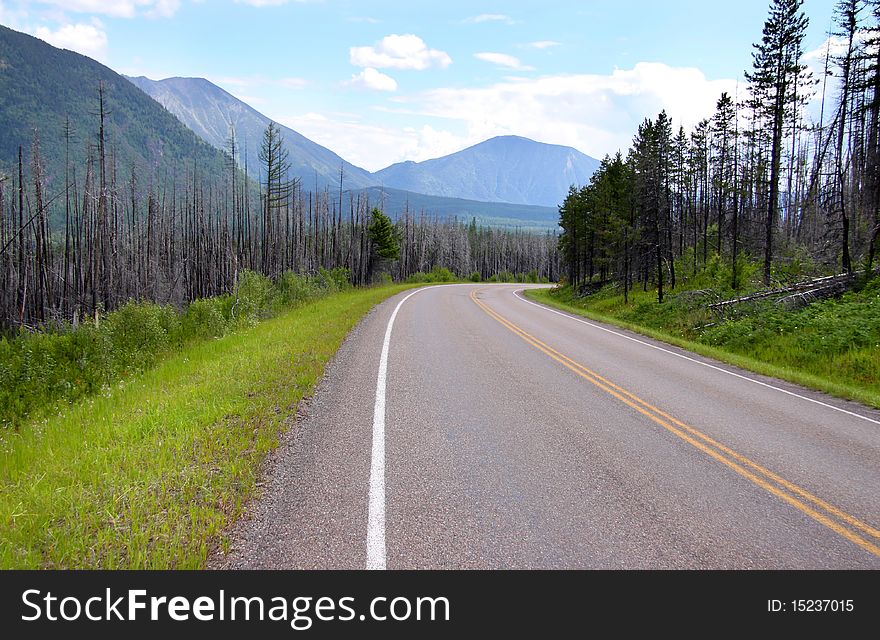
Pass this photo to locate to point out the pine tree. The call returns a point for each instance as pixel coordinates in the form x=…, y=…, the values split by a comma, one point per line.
x=872, y=169
x=722, y=128
x=776, y=76
x=383, y=239
x=847, y=13
x=571, y=220
x=276, y=164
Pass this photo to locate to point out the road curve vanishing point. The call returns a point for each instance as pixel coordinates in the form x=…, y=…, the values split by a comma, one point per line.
x=504, y=434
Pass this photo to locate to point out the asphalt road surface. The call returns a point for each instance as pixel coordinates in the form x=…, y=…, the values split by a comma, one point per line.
x=481, y=430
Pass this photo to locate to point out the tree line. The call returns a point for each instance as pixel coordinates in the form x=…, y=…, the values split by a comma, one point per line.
x=115, y=233
x=761, y=178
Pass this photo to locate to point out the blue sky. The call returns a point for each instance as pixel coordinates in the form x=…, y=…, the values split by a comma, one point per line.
x=380, y=82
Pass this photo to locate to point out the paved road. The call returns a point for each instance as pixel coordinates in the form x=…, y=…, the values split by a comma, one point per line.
x=520, y=437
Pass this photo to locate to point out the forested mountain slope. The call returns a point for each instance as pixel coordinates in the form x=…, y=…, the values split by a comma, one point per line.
x=42, y=88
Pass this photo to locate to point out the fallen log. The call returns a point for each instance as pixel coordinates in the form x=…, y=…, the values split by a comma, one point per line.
x=817, y=283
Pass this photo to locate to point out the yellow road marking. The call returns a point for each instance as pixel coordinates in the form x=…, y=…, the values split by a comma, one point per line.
x=732, y=459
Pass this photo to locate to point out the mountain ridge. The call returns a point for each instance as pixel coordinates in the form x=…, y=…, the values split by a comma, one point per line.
x=211, y=112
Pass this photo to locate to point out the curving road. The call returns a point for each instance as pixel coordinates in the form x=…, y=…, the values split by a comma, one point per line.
x=507, y=435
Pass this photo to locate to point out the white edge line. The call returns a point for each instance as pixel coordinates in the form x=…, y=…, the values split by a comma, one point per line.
x=376, y=558
x=689, y=359
x=376, y=513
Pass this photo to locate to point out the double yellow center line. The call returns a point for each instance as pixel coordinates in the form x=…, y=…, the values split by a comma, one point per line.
x=837, y=520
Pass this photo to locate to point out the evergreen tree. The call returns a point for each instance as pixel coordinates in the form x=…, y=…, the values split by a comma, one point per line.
x=276, y=164
x=722, y=128
x=847, y=14
x=571, y=219
x=776, y=76
x=652, y=157
x=871, y=55
x=383, y=237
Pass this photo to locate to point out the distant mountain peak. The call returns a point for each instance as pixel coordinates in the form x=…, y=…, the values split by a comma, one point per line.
x=506, y=168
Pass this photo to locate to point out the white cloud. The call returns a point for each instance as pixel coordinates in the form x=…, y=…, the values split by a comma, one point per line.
x=488, y=17
x=88, y=39
x=114, y=8
x=502, y=60
x=370, y=78
x=12, y=17
x=399, y=52
x=597, y=114
x=118, y=8
x=164, y=8
x=833, y=46
x=543, y=44
x=433, y=143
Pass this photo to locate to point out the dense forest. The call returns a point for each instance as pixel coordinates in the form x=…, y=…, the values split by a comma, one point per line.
x=763, y=178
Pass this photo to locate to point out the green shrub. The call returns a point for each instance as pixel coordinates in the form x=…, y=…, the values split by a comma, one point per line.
x=338, y=279
x=137, y=333
x=253, y=297
x=10, y=374
x=37, y=370
x=417, y=278
x=295, y=288
x=437, y=274
x=795, y=265
x=93, y=351
x=475, y=277
x=205, y=318
x=441, y=274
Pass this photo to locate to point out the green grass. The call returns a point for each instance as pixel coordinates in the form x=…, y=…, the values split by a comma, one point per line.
x=832, y=345
x=148, y=473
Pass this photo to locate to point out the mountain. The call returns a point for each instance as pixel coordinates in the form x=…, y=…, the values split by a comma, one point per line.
x=41, y=86
x=212, y=112
x=503, y=169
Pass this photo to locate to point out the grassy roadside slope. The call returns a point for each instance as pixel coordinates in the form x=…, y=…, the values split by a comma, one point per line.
x=831, y=346
x=148, y=474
